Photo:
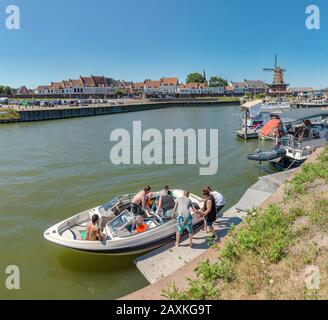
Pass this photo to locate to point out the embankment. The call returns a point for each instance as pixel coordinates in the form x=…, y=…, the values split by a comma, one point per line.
x=42, y=114
x=279, y=252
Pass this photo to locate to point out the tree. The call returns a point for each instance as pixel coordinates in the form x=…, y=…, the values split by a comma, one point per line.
x=119, y=92
x=218, y=82
x=5, y=90
x=195, y=78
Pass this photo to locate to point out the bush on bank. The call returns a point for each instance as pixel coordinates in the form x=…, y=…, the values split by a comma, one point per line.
x=8, y=114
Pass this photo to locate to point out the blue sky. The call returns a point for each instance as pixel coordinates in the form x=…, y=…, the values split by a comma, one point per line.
x=138, y=39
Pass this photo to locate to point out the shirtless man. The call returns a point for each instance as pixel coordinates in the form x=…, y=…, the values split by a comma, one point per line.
x=139, y=203
x=93, y=231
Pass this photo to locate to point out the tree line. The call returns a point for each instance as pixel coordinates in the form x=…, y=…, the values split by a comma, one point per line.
x=5, y=90
x=214, y=81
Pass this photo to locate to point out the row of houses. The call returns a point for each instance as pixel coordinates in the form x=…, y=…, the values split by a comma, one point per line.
x=101, y=85
x=93, y=85
x=171, y=86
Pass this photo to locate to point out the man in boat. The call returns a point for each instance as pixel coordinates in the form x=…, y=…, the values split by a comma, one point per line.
x=184, y=207
x=209, y=211
x=139, y=203
x=93, y=231
x=303, y=132
x=273, y=129
x=140, y=226
x=166, y=203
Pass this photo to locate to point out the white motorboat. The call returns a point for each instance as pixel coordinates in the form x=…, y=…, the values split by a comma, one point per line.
x=276, y=106
x=254, y=126
x=296, y=148
x=315, y=104
x=116, y=221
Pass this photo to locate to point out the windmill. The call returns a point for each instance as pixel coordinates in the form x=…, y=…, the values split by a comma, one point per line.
x=278, y=84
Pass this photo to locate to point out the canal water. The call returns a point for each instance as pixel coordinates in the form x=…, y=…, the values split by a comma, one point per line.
x=52, y=170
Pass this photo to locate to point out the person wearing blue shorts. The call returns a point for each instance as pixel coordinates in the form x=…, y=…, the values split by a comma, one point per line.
x=184, y=207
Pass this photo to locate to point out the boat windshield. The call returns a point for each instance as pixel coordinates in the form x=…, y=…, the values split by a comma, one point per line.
x=125, y=218
x=110, y=204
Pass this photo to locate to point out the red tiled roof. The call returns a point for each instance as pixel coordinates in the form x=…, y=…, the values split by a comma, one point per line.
x=76, y=83
x=195, y=85
x=172, y=81
x=153, y=83
x=56, y=85
x=138, y=85
x=88, y=81
x=42, y=88
x=99, y=81
x=67, y=84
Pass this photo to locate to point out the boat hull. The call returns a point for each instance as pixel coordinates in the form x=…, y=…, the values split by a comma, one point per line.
x=129, y=246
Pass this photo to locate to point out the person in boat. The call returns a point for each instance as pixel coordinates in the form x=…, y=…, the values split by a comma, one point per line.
x=140, y=226
x=303, y=132
x=166, y=203
x=93, y=230
x=273, y=129
x=139, y=203
x=184, y=207
x=209, y=211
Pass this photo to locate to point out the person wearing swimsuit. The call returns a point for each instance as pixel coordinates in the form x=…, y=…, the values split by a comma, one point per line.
x=93, y=231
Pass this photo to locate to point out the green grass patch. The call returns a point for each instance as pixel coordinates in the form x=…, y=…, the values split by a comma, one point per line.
x=8, y=114
x=309, y=173
x=319, y=214
x=263, y=243
x=265, y=234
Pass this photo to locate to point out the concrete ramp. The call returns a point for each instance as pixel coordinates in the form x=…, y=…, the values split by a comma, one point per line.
x=164, y=261
x=262, y=190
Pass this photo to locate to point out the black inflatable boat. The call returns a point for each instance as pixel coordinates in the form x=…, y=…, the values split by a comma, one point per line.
x=263, y=156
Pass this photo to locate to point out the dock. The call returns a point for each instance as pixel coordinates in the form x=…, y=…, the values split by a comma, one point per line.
x=163, y=262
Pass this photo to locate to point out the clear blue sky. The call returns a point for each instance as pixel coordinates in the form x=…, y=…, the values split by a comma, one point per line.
x=138, y=39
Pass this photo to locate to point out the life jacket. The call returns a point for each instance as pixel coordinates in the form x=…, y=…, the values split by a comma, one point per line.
x=167, y=202
x=142, y=228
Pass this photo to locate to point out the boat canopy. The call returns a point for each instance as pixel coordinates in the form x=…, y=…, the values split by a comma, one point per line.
x=254, y=107
x=300, y=115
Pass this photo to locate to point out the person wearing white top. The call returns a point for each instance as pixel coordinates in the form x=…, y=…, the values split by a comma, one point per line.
x=219, y=203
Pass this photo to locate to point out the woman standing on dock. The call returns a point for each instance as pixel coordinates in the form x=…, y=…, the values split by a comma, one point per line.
x=209, y=211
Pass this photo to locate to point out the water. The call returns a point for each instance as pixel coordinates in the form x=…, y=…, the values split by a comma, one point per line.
x=52, y=170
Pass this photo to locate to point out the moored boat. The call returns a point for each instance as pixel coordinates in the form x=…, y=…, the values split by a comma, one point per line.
x=116, y=221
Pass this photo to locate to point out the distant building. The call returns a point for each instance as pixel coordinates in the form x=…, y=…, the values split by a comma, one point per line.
x=164, y=86
x=23, y=90
x=94, y=85
x=256, y=86
x=301, y=90
x=238, y=87
x=152, y=87
x=249, y=86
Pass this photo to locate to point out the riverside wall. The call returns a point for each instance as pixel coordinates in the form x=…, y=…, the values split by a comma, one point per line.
x=43, y=114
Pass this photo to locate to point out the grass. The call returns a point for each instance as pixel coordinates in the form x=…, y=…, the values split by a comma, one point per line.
x=8, y=114
x=265, y=258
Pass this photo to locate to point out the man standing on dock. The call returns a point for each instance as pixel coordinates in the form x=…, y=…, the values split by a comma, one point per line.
x=184, y=207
